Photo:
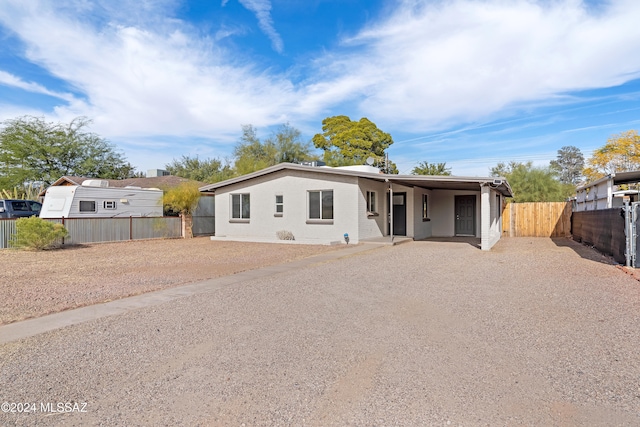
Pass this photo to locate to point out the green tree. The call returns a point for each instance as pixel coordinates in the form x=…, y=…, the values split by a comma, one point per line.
x=183, y=199
x=285, y=145
x=28, y=191
x=289, y=145
x=532, y=184
x=208, y=170
x=426, y=168
x=568, y=165
x=621, y=153
x=33, y=150
x=347, y=142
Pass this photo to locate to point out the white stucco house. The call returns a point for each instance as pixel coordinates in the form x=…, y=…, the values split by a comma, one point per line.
x=323, y=204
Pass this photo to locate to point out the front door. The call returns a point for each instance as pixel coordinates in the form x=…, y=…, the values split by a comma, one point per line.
x=465, y=215
x=399, y=214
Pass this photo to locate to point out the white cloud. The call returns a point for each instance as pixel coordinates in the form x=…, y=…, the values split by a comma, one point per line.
x=9, y=79
x=143, y=82
x=262, y=10
x=141, y=74
x=429, y=63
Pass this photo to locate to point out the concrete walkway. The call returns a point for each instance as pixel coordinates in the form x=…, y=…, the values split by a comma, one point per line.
x=27, y=328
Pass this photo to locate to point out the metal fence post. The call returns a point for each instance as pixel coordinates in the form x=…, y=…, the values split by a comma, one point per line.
x=634, y=236
x=629, y=250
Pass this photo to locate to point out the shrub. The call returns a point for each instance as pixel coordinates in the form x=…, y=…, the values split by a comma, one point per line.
x=285, y=235
x=37, y=234
x=183, y=199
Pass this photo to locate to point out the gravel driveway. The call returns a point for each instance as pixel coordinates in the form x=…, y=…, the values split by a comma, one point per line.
x=36, y=283
x=534, y=332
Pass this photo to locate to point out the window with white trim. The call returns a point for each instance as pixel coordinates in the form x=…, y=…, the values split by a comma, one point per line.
x=240, y=206
x=371, y=202
x=279, y=205
x=321, y=204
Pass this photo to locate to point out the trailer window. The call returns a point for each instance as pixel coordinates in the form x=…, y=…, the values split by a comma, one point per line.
x=109, y=204
x=87, y=206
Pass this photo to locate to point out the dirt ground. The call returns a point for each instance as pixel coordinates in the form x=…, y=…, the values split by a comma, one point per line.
x=33, y=284
x=535, y=332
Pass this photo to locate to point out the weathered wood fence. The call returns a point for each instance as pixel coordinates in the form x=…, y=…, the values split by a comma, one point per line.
x=541, y=219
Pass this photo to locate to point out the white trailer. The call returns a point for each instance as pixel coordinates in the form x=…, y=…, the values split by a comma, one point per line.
x=95, y=199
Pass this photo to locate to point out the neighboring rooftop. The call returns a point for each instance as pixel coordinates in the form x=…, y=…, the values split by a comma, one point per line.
x=154, y=181
x=617, y=178
x=167, y=181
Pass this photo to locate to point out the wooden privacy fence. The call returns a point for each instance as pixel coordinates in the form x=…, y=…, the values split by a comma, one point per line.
x=541, y=219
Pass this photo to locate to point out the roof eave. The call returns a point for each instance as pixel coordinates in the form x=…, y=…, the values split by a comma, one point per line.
x=504, y=187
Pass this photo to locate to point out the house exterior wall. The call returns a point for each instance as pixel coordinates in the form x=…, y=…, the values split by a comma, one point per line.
x=370, y=226
x=497, y=207
x=422, y=228
x=293, y=186
x=350, y=213
x=491, y=218
x=443, y=218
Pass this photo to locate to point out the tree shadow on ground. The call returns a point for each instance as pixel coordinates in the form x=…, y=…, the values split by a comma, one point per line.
x=584, y=251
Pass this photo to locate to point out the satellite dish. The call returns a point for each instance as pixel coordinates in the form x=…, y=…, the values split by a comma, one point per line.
x=370, y=160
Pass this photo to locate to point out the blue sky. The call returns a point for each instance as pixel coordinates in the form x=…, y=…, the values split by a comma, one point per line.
x=466, y=82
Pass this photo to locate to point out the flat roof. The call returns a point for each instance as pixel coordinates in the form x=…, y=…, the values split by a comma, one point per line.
x=433, y=182
x=617, y=177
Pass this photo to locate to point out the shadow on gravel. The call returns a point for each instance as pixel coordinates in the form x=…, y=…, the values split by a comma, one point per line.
x=586, y=252
x=473, y=241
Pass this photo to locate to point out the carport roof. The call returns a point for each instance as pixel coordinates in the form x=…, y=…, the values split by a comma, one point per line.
x=425, y=181
x=617, y=178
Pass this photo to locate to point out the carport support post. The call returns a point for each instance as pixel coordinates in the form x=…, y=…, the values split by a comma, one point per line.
x=485, y=217
x=390, y=211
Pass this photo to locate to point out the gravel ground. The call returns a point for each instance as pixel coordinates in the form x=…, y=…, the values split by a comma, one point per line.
x=534, y=332
x=36, y=283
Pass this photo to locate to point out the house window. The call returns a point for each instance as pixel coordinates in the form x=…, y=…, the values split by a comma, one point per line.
x=425, y=207
x=279, y=205
x=109, y=204
x=240, y=208
x=87, y=205
x=371, y=202
x=321, y=204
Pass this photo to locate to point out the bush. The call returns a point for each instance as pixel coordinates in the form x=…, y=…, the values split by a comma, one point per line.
x=285, y=235
x=37, y=234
